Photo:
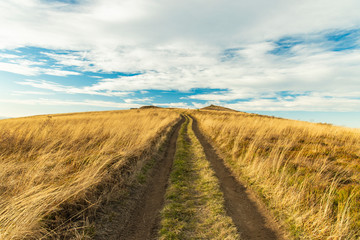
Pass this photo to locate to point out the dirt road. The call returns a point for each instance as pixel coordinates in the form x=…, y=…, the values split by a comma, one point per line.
x=250, y=216
x=144, y=222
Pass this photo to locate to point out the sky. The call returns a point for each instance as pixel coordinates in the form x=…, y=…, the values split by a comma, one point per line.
x=286, y=58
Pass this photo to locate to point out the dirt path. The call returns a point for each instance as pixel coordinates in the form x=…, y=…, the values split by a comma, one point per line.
x=145, y=219
x=194, y=206
x=250, y=217
x=135, y=214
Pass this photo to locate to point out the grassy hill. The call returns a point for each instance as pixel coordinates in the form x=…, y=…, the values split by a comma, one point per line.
x=308, y=173
x=218, y=108
x=57, y=171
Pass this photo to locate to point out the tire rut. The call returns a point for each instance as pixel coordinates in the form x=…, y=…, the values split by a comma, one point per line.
x=250, y=217
x=145, y=219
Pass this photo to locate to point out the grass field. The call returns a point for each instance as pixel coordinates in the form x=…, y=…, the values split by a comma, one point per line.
x=57, y=171
x=55, y=168
x=308, y=174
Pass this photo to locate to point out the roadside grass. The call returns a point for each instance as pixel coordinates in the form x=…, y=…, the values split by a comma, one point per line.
x=56, y=170
x=307, y=173
x=194, y=205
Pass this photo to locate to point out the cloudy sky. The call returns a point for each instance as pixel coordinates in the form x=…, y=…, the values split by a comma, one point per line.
x=288, y=58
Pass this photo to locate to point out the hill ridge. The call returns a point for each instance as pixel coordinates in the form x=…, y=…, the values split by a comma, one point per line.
x=218, y=108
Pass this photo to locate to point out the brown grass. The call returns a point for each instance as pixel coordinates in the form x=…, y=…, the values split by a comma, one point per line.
x=309, y=174
x=48, y=162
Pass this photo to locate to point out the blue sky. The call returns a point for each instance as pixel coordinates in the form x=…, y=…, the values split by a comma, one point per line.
x=293, y=59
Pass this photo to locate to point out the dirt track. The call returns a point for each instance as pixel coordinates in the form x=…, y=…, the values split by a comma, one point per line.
x=145, y=219
x=250, y=217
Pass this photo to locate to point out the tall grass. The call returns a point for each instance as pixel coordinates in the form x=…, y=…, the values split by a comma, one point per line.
x=48, y=162
x=309, y=174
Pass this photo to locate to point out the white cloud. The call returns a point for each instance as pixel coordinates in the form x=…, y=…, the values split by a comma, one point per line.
x=19, y=69
x=18, y=93
x=301, y=103
x=110, y=23
x=179, y=45
x=107, y=104
x=30, y=68
x=120, y=11
x=173, y=105
x=8, y=56
x=227, y=95
x=73, y=59
x=58, y=72
x=199, y=105
x=48, y=85
x=138, y=100
x=55, y=102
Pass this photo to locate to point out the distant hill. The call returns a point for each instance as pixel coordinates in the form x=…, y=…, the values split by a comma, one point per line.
x=218, y=108
x=149, y=106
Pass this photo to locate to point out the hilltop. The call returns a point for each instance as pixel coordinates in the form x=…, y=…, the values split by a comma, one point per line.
x=149, y=106
x=218, y=108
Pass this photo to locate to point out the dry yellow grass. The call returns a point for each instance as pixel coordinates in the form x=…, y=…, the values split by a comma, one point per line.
x=47, y=162
x=309, y=174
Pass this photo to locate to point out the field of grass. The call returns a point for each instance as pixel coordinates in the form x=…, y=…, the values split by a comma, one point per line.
x=194, y=207
x=55, y=168
x=307, y=173
x=56, y=171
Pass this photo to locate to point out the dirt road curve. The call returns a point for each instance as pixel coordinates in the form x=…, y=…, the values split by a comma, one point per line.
x=250, y=217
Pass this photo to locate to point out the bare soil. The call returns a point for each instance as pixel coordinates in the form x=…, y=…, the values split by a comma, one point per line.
x=250, y=216
x=137, y=216
x=145, y=220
